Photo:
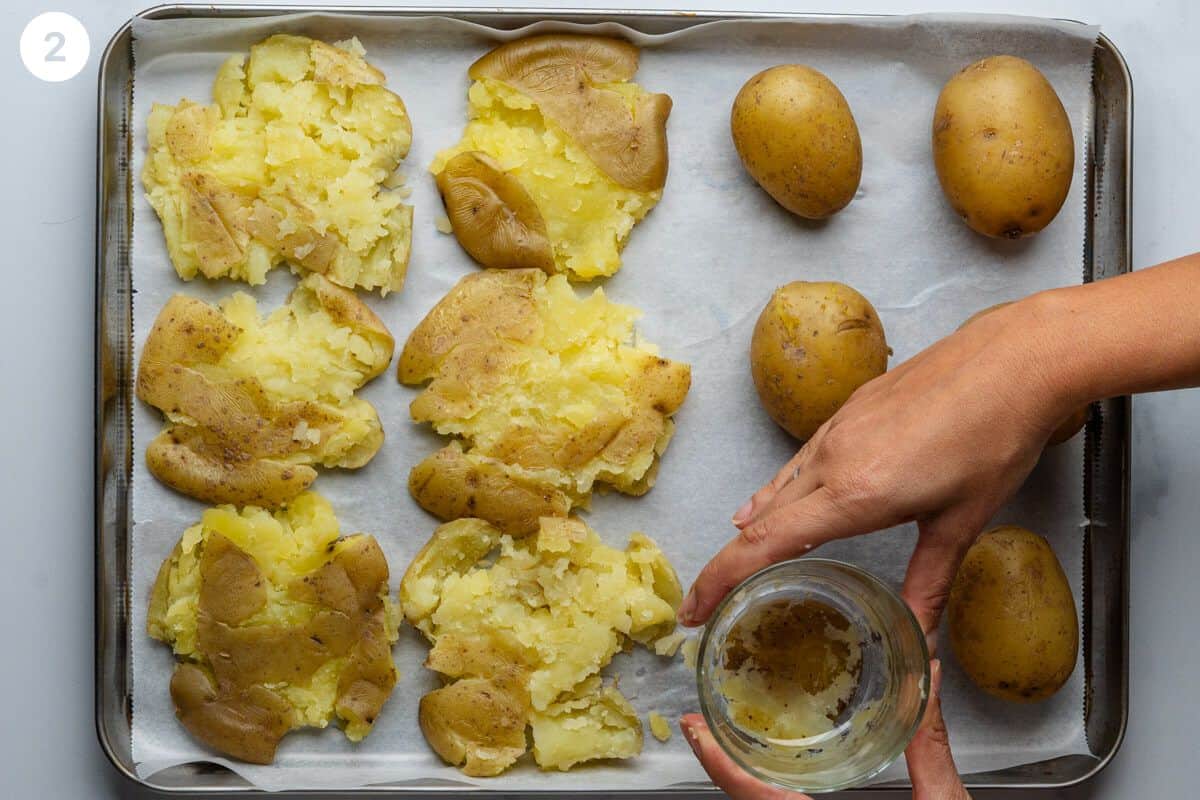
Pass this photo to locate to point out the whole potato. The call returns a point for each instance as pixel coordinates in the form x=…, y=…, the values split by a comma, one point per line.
x=1013, y=625
x=797, y=138
x=1069, y=426
x=1003, y=148
x=813, y=345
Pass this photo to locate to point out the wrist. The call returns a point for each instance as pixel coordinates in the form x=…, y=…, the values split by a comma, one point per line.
x=1050, y=327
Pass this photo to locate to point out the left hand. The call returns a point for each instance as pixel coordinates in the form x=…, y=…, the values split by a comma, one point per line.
x=930, y=763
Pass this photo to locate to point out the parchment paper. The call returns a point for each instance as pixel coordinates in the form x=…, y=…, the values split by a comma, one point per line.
x=700, y=266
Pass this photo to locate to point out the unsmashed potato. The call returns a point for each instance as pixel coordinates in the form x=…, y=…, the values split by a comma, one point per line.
x=524, y=635
x=1012, y=618
x=278, y=622
x=547, y=394
x=287, y=165
x=561, y=158
x=814, y=344
x=254, y=405
x=797, y=137
x=1003, y=147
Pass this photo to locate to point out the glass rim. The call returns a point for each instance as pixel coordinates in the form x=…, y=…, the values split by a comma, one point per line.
x=703, y=691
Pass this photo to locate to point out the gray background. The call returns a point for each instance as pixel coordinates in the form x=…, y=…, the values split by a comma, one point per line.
x=47, y=743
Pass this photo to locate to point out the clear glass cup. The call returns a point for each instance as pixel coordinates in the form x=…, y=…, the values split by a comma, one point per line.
x=882, y=715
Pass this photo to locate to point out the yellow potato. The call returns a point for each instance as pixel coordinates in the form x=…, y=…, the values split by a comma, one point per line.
x=254, y=405
x=813, y=345
x=288, y=164
x=797, y=138
x=562, y=156
x=524, y=635
x=550, y=393
x=1002, y=147
x=1012, y=618
x=1068, y=427
x=278, y=622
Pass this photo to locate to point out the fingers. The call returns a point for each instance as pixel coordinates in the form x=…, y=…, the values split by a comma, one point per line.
x=941, y=545
x=788, y=531
x=793, y=472
x=736, y=782
x=930, y=762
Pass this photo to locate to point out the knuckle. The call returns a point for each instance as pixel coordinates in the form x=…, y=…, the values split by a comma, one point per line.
x=935, y=733
x=858, y=487
x=760, y=532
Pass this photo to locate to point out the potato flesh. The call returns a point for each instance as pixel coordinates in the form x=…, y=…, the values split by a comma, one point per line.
x=287, y=164
x=312, y=643
x=594, y=722
x=587, y=215
x=542, y=384
x=252, y=403
x=557, y=606
x=659, y=727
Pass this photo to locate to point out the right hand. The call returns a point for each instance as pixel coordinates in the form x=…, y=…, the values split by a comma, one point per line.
x=944, y=439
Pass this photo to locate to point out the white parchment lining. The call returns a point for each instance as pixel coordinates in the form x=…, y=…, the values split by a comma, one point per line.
x=700, y=266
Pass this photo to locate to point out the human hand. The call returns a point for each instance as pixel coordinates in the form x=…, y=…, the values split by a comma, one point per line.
x=930, y=764
x=942, y=439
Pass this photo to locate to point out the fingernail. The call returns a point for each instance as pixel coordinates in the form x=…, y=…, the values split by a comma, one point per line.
x=931, y=642
x=687, y=607
x=743, y=513
x=935, y=676
x=689, y=735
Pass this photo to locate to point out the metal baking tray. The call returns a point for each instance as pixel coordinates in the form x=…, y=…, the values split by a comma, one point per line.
x=1105, y=602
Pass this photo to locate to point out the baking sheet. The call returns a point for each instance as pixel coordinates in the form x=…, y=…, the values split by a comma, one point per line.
x=699, y=266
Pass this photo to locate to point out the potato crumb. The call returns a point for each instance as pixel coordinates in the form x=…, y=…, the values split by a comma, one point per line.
x=351, y=45
x=669, y=644
x=690, y=649
x=300, y=433
x=659, y=727
x=442, y=223
x=404, y=192
x=397, y=180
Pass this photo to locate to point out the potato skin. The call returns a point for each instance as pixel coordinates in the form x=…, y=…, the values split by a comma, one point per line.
x=1012, y=617
x=1002, y=147
x=1069, y=426
x=796, y=136
x=813, y=345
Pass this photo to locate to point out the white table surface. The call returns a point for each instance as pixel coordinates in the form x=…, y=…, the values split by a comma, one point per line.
x=48, y=746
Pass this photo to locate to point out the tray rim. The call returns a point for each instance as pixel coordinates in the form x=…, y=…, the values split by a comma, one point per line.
x=533, y=14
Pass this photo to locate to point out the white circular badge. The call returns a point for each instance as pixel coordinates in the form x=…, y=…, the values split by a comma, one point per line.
x=54, y=46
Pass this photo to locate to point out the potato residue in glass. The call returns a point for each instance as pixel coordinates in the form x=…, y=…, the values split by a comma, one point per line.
x=789, y=668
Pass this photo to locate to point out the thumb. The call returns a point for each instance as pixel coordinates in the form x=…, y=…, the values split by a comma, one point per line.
x=930, y=762
x=727, y=775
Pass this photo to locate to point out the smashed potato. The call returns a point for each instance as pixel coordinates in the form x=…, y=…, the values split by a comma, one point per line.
x=288, y=164
x=278, y=623
x=546, y=393
x=254, y=405
x=522, y=637
x=561, y=158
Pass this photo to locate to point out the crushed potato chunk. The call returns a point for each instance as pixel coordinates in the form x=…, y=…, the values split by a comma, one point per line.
x=254, y=404
x=549, y=392
x=659, y=727
x=278, y=622
x=289, y=164
x=531, y=623
x=586, y=147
